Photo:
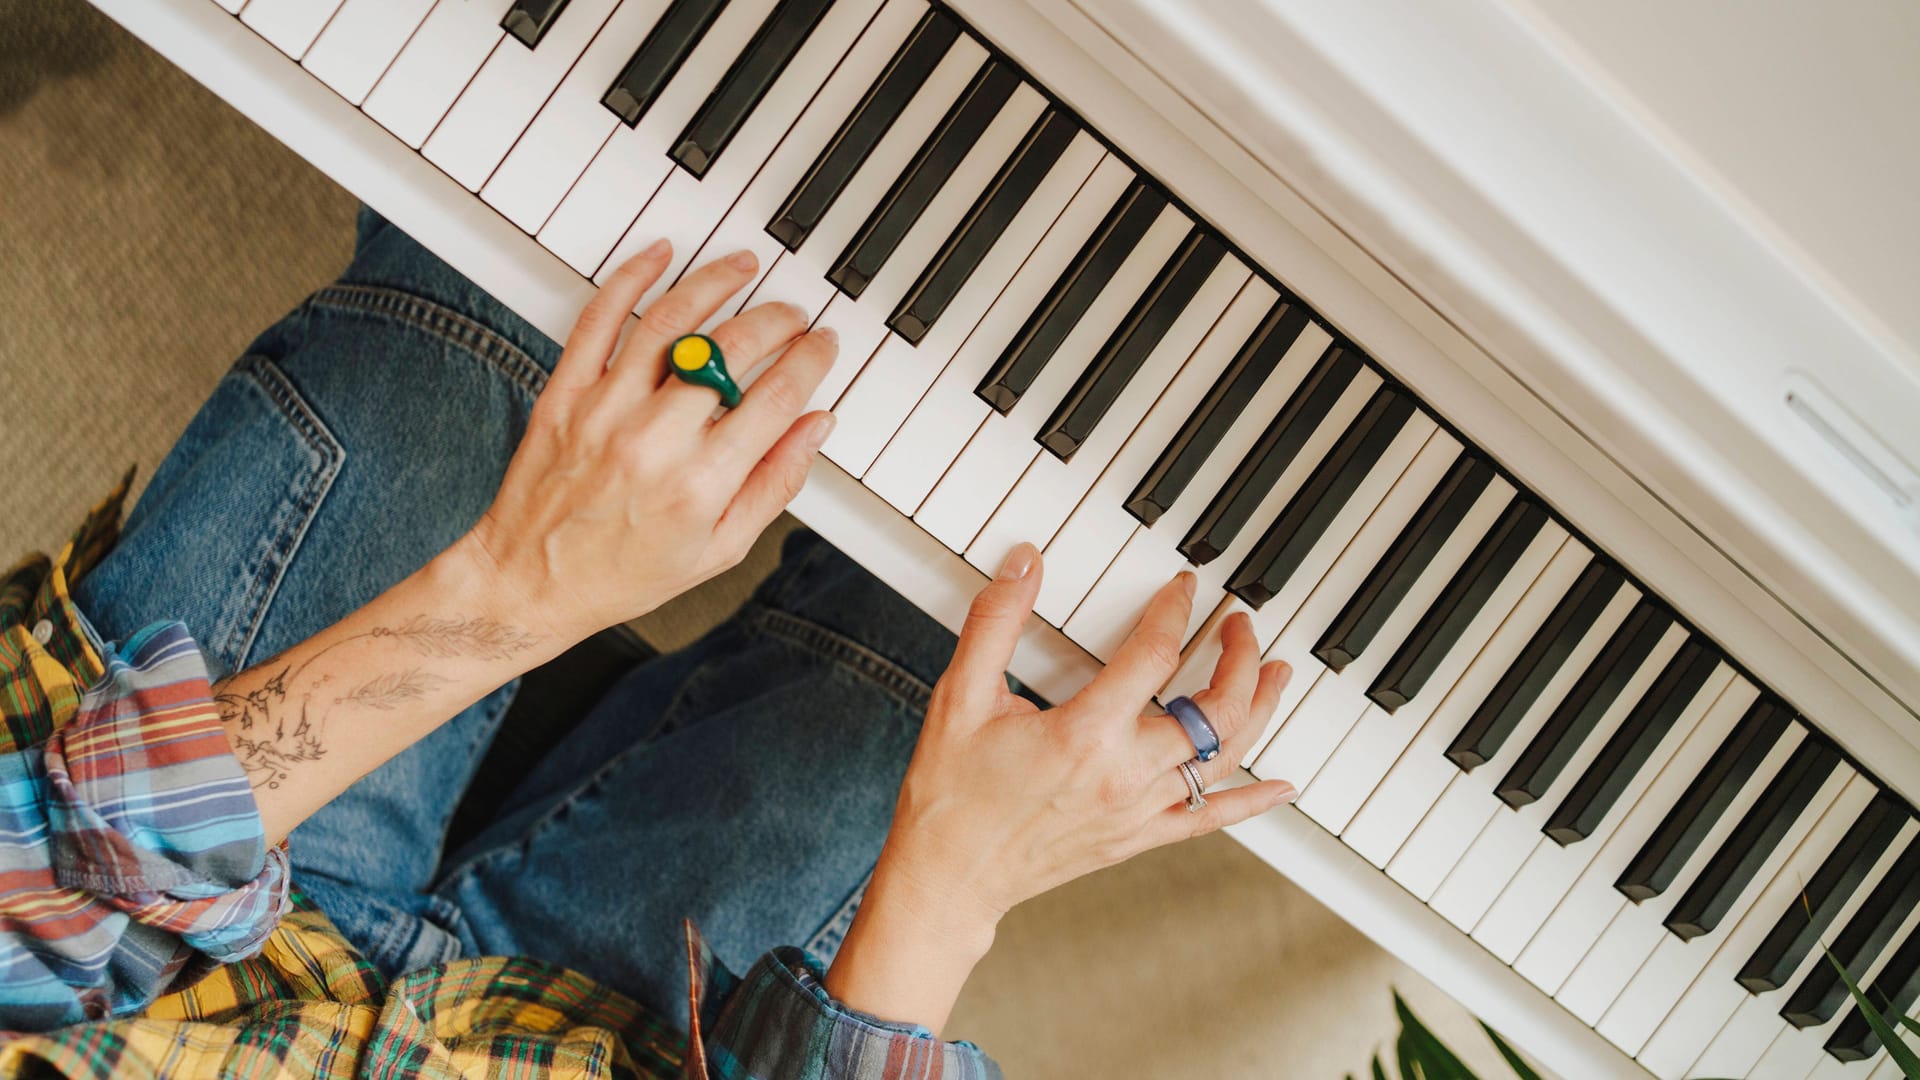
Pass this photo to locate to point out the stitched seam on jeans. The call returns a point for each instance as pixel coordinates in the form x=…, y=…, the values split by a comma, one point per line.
x=286, y=537
x=843, y=650
x=593, y=781
x=442, y=322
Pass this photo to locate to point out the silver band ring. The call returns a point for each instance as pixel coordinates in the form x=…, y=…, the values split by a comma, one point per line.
x=1196, y=797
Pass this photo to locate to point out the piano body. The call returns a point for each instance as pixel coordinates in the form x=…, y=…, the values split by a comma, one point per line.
x=1581, y=497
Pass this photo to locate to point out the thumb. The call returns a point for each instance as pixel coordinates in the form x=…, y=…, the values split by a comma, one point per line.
x=994, y=622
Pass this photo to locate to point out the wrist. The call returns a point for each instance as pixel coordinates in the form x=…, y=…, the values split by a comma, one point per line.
x=471, y=570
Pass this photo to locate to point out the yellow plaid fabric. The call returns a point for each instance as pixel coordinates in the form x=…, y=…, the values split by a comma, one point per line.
x=308, y=1007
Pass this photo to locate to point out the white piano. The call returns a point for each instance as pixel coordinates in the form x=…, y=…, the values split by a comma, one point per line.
x=1577, y=484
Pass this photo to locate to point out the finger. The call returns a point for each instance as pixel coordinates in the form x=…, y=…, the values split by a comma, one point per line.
x=993, y=626
x=680, y=311
x=598, y=329
x=1147, y=658
x=778, y=395
x=1266, y=697
x=771, y=484
x=1228, y=807
x=744, y=341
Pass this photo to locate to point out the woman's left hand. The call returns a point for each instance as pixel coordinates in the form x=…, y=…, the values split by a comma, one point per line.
x=623, y=492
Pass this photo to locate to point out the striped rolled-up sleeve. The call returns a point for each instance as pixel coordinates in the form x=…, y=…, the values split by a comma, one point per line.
x=779, y=1023
x=135, y=854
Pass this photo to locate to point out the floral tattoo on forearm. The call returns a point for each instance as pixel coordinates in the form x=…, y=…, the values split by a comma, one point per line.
x=282, y=722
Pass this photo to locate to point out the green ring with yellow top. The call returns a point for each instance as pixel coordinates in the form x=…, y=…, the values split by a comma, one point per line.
x=696, y=359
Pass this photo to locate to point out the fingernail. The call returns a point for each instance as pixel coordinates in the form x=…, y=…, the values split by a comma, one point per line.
x=1017, y=564
x=1286, y=794
x=657, y=249
x=829, y=335
x=822, y=430
x=1188, y=582
x=742, y=260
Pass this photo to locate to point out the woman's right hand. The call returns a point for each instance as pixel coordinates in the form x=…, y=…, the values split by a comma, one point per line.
x=1003, y=801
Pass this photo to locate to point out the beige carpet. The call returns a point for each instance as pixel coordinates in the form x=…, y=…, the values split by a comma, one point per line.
x=149, y=232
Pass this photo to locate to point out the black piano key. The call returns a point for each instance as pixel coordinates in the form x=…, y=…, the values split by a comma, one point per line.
x=992, y=212
x=1274, y=559
x=1130, y=343
x=1799, y=927
x=1486, y=731
x=1387, y=583
x=1661, y=858
x=1629, y=748
x=1893, y=992
x=1706, y=901
x=936, y=159
x=659, y=57
x=746, y=83
x=1821, y=993
x=1209, y=421
x=528, y=20
x=1227, y=512
x=1068, y=299
x=1458, y=604
x=864, y=128
x=1574, y=719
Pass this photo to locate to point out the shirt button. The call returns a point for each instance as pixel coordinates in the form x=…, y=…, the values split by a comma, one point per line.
x=43, y=631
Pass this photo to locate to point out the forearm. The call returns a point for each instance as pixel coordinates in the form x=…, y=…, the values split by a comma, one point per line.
x=909, y=951
x=308, y=722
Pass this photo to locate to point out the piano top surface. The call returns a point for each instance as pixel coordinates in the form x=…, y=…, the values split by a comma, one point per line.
x=1803, y=110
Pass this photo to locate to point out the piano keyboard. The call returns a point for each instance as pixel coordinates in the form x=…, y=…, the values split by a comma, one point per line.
x=1040, y=342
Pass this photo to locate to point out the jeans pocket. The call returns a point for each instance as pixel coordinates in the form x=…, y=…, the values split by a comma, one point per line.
x=213, y=534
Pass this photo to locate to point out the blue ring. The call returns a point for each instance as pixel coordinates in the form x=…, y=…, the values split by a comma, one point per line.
x=1206, y=741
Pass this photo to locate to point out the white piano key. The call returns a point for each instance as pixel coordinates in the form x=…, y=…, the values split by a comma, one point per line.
x=1754, y=1023
x=1361, y=771
x=361, y=40
x=1100, y=527
x=937, y=429
x=1394, y=808
x=1637, y=929
x=1832, y=1068
x=1196, y=667
x=289, y=25
x=233, y=6
x=1003, y=445
x=440, y=58
x=862, y=323
x=800, y=277
x=1885, y=1068
x=506, y=93
x=744, y=228
x=633, y=162
x=1550, y=871
x=1151, y=556
x=539, y=169
x=1510, y=836
x=1656, y=989
x=1582, y=916
x=1278, y=751
x=1467, y=806
x=1050, y=488
x=687, y=208
x=1328, y=714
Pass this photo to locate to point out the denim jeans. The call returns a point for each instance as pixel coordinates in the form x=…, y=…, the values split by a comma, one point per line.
x=746, y=782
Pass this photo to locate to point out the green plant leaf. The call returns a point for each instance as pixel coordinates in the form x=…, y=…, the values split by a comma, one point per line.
x=1379, y=1070
x=1897, y=1048
x=1520, y=1068
x=1421, y=1048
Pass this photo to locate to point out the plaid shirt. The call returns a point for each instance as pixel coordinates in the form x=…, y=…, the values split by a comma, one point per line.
x=146, y=929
